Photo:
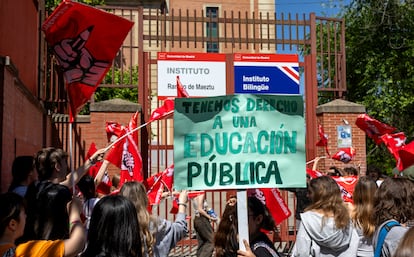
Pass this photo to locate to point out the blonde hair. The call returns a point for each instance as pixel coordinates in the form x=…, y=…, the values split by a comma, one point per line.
x=363, y=197
x=136, y=192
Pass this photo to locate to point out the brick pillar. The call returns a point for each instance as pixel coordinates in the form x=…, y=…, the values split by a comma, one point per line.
x=117, y=110
x=331, y=116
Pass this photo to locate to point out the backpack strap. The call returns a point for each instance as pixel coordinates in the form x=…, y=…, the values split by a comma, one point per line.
x=382, y=234
x=268, y=248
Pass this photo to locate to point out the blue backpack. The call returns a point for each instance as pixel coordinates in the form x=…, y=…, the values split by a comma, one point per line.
x=382, y=234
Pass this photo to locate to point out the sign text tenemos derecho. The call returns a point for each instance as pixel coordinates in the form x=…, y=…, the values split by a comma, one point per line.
x=239, y=141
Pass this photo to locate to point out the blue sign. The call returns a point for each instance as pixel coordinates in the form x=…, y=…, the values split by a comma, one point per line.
x=266, y=74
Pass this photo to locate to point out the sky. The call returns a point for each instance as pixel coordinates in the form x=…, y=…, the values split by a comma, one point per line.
x=326, y=8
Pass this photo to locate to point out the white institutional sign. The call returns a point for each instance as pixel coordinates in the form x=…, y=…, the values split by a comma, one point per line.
x=202, y=74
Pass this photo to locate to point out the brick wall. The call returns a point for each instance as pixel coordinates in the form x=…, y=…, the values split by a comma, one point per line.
x=332, y=115
x=25, y=127
x=116, y=110
x=20, y=35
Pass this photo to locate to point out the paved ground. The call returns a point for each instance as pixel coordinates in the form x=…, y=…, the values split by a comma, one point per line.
x=187, y=248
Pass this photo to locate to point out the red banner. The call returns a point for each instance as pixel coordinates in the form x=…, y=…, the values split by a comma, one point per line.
x=156, y=184
x=344, y=155
x=323, y=141
x=85, y=41
x=125, y=154
x=181, y=92
x=274, y=202
x=395, y=142
x=373, y=128
x=163, y=111
x=406, y=154
x=346, y=185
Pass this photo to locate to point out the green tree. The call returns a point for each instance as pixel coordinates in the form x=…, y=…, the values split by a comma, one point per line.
x=380, y=69
x=117, y=78
x=51, y=4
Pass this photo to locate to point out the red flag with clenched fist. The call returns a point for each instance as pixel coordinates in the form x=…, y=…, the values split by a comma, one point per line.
x=85, y=41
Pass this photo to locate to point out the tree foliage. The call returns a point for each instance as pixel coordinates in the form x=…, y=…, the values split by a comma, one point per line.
x=51, y=4
x=118, y=77
x=380, y=68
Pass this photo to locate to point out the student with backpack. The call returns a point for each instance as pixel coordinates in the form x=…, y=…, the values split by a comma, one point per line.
x=393, y=207
x=326, y=229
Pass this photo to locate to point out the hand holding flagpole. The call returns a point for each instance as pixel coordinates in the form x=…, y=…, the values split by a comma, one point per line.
x=132, y=131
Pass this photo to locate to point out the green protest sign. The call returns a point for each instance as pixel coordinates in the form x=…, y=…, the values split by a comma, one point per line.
x=239, y=141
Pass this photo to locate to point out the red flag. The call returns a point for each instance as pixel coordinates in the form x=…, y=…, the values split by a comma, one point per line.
x=114, y=130
x=313, y=173
x=346, y=185
x=274, y=202
x=105, y=186
x=181, y=92
x=168, y=107
x=85, y=41
x=373, y=128
x=93, y=170
x=323, y=141
x=163, y=111
x=156, y=184
x=174, y=208
x=168, y=177
x=92, y=149
x=394, y=142
x=125, y=154
x=193, y=194
x=406, y=154
x=190, y=195
x=345, y=155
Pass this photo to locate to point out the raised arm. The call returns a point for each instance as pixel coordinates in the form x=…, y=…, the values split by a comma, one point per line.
x=101, y=172
x=74, y=177
x=77, y=238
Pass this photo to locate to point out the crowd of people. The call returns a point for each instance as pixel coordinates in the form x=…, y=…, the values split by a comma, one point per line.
x=374, y=222
x=43, y=214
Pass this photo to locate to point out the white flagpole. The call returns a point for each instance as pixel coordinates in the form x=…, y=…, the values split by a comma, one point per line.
x=132, y=131
x=71, y=157
x=320, y=157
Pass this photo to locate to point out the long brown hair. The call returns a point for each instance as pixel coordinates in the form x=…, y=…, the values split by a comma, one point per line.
x=136, y=192
x=225, y=239
x=394, y=199
x=326, y=197
x=363, y=198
